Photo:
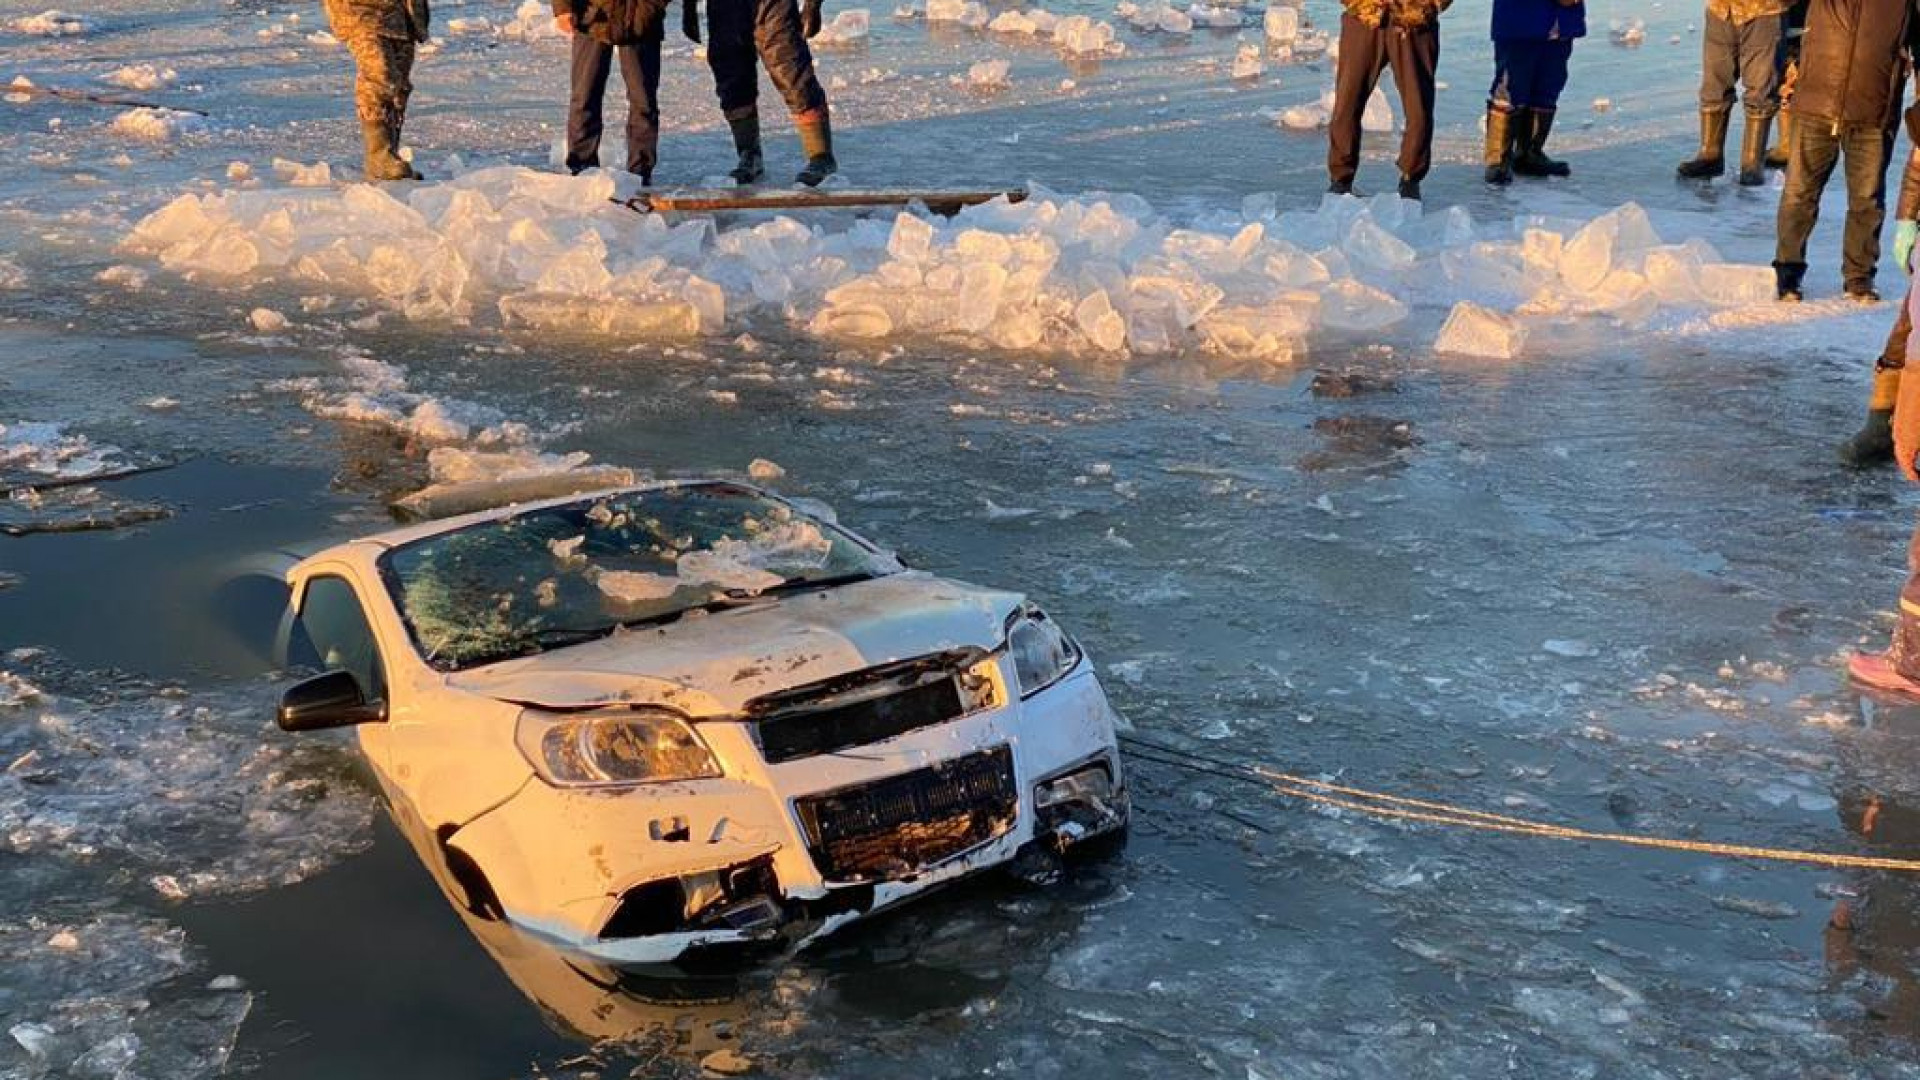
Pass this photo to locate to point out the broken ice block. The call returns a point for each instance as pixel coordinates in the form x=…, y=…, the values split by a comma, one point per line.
x=1472, y=330
x=989, y=75
x=1737, y=284
x=1282, y=24
x=1378, y=115
x=1247, y=63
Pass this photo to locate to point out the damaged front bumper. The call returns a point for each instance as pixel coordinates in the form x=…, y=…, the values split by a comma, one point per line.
x=780, y=853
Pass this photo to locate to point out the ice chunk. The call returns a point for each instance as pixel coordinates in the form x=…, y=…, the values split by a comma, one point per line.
x=144, y=77
x=267, y=320
x=1350, y=305
x=156, y=125
x=296, y=174
x=1378, y=115
x=1737, y=284
x=763, y=470
x=1217, y=16
x=989, y=75
x=1247, y=63
x=849, y=27
x=1629, y=32
x=11, y=275
x=52, y=23
x=633, y=587
x=1472, y=330
x=532, y=21
x=1375, y=249
x=1282, y=24
x=969, y=13
x=1080, y=35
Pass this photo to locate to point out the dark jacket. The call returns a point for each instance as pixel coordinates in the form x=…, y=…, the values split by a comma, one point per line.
x=1853, y=62
x=1538, y=20
x=1408, y=13
x=616, y=22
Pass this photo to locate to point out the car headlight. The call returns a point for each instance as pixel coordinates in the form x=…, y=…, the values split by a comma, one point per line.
x=613, y=747
x=1042, y=653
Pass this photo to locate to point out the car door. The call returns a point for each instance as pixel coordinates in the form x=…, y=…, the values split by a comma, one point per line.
x=330, y=631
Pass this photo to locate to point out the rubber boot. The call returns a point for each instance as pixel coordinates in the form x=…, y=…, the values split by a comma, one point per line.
x=1787, y=277
x=752, y=165
x=1753, y=151
x=1777, y=156
x=816, y=142
x=1533, y=161
x=1711, y=161
x=1873, y=444
x=1876, y=671
x=1410, y=188
x=1499, y=140
x=383, y=163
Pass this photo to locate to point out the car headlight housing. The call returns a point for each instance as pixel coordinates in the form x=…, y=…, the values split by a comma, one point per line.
x=613, y=748
x=1042, y=652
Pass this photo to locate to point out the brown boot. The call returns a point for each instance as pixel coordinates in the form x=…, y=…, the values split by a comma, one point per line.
x=1499, y=142
x=1753, y=151
x=384, y=162
x=816, y=142
x=1777, y=157
x=1711, y=161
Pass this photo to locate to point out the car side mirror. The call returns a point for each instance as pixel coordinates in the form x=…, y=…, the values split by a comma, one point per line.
x=332, y=700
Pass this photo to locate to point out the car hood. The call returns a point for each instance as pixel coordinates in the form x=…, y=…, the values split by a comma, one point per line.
x=713, y=664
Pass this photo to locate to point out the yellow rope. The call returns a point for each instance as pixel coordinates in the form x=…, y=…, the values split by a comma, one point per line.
x=1383, y=805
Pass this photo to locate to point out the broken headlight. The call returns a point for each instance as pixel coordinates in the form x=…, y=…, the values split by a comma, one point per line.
x=1042, y=652
x=613, y=747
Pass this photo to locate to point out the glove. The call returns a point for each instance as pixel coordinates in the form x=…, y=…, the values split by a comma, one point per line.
x=1904, y=233
x=810, y=17
x=690, y=19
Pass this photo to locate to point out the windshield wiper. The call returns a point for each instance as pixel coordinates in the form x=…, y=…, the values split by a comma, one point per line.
x=797, y=584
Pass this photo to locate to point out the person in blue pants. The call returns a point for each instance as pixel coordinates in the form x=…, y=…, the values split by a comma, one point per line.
x=1532, y=43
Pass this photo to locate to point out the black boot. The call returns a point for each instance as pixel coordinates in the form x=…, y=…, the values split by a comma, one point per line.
x=752, y=166
x=1787, y=277
x=1340, y=187
x=1873, y=444
x=1532, y=160
x=1410, y=188
x=816, y=141
x=1711, y=161
x=1499, y=141
x=1777, y=157
x=1753, y=151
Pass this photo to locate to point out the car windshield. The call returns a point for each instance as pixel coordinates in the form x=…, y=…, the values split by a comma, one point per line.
x=558, y=576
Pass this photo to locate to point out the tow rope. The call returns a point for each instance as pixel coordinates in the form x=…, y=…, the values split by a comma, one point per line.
x=1397, y=807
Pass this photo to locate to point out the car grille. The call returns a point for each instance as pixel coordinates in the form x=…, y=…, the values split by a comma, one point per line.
x=906, y=823
x=800, y=735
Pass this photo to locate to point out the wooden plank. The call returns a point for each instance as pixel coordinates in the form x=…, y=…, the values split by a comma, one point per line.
x=709, y=200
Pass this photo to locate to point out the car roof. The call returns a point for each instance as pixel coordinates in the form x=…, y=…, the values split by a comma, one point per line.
x=393, y=538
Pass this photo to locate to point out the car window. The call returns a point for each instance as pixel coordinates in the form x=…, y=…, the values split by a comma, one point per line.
x=335, y=628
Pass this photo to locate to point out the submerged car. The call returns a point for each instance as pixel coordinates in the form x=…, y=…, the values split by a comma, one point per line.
x=686, y=715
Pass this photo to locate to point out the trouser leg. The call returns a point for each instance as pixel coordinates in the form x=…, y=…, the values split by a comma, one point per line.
x=592, y=62
x=731, y=57
x=640, y=70
x=783, y=50
x=1810, y=162
x=1893, y=355
x=1759, y=57
x=1867, y=152
x=1357, y=73
x=1719, y=64
x=1415, y=57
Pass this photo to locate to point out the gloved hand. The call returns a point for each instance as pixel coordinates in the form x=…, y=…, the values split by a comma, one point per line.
x=1904, y=234
x=690, y=19
x=810, y=17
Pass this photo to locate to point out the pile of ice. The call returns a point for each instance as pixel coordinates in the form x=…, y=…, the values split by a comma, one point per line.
x=1078, y=35
x=849, y=27
x=1217, y=16
x=192, y=795
x=1156, y=15
x=110, y=995
x=49, y=451
x=371, y=391
x=516, y=247
x=969, y=13
x=156, y=125
x=51, y=23
x=532, y=21
x=140, y=77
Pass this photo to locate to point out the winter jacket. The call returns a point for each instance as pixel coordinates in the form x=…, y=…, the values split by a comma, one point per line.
x=1740, y=12
x=397, y=19
x=616, y=22
x=1538, y=20
x=1909, y=209
x=1854, y=60
x=1396, y=12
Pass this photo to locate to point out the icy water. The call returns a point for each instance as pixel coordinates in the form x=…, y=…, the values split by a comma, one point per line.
x=1608, y=580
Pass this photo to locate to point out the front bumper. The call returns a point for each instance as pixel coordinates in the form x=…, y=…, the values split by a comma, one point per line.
x=644, y=875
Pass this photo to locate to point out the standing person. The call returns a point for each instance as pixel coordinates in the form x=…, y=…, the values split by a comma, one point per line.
x=1376, y=34
x=1743, y=43
x=601, y=28
x=1795, y=26
x=1898, y=669
x=1873, y=443
x=1532, y=43
x=381, y=35
x=1853, y=64
x=745, y=35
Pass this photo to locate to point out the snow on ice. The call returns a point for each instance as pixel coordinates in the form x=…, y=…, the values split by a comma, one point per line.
x=140, y=77
x=157, y=125
x=523, y=248
x=52, y=23
x=48, y=450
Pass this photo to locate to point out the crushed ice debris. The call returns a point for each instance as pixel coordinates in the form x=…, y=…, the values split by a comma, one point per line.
x=1628, y=33
x=297, y=174
x=46, y=449
x=1247, y=63
x=16, y=692
x=969, y=13
x=11, y=275
x=157, y=125
x=140, y=77
x=1281, y=24
x=1570, y=648
x=763, y=470
x=532, y=21
x=130, y=278
x=1155, y=15
x=52, y=23
x=267, y=320
x=990, y=75
x=375, y=392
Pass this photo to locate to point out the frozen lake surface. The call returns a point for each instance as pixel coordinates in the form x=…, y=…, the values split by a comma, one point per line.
x=1575, y=550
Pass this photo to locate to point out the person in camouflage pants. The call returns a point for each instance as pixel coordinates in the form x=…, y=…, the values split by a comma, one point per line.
x=1743, y=44
x=381, y=35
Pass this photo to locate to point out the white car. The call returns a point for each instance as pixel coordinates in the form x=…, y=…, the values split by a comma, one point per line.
x=674, y=716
